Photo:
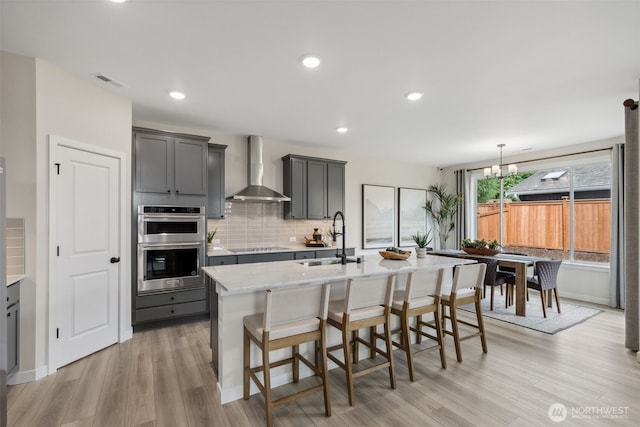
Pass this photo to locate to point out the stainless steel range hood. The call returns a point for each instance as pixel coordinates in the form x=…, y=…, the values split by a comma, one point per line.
x=255, y=191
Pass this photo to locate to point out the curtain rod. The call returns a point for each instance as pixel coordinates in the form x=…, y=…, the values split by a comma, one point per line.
x=550, y=157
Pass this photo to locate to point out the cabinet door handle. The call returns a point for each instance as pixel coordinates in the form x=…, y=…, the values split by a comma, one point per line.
x=114, y=259
x=9, y=314
x=177, y=191
x=168, y=191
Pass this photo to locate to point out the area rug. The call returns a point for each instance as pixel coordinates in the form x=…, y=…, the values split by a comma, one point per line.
x=571, y=315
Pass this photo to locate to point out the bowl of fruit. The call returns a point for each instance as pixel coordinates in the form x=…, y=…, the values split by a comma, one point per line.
x=394, y=253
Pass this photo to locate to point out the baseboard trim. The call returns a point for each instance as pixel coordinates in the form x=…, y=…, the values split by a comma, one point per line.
x=126, y=334
x=21, y=377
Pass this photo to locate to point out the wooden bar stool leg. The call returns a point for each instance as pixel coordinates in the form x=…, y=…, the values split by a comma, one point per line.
x=296, y=363
x=356, y=346
x=440, y=335
x=555, y=292
x=246, y=360
x=325, y=370
x=544, y=310
x=454, y=330
x=406, y=342
x=347, y=364
x=372, y=342
x=483, y=338
x=267, y=385
x=419, y=328
x=387, y=338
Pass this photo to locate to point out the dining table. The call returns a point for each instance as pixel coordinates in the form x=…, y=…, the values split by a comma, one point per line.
x=520, y=263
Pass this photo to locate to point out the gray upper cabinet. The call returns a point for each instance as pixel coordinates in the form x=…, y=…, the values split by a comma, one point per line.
x=215, y=171
x=190, y=166
x=295, y=186
x=153, y=173
x=169, y=163
x=316, y=187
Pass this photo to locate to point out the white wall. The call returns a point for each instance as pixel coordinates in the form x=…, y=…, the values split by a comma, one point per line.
x=50, y=102
x=360, y=169
x=579, y=281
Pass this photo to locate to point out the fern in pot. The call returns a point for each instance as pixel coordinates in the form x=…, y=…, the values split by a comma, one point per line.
x=421, y=240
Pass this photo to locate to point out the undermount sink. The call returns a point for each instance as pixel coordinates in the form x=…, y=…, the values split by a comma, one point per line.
x=325, y=261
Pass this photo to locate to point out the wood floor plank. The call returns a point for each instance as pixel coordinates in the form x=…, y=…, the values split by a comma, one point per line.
x=163, y=376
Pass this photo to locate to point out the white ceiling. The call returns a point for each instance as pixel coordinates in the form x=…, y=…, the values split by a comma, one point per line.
x=535, y=74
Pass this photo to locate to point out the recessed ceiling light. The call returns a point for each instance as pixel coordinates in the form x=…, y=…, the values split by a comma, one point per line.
x=414, y=96
x=118, y=1
x=177, y=95
x=342, y=129
x=310, y=61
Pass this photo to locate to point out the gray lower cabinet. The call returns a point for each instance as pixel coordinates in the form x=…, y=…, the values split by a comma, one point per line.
x=171, y=304
x=316, y=187
x=215, y=176
x=169, y=163
x=13, y=327
x=275, y=256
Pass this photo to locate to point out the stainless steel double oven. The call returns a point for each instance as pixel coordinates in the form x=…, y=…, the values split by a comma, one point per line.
x=171, y=248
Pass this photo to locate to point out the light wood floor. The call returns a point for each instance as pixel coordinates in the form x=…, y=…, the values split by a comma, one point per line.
x=162, y=377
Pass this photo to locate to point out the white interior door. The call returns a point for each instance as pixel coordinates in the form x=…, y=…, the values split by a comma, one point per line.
x=87, y=279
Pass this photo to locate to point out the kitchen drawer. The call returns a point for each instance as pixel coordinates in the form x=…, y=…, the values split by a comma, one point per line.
x=305, y=255
x=222, y=260
x=170, y=311
x=171, y=298
x=13, y=294
x=277, y=256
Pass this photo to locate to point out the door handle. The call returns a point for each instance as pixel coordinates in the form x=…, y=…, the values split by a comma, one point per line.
x=114, y=259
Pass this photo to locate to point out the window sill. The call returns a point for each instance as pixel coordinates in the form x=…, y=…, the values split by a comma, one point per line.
x=577, y=265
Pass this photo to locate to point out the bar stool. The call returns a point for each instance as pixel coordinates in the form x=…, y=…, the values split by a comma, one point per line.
x=367, y=303
x=421, y=296
x=466, y=288
x=292, y=316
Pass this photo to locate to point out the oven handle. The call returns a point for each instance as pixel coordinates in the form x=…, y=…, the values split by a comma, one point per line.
x=185, y=245
x=152, y=217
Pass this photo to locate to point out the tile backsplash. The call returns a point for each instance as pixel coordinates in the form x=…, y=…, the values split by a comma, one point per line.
x=248, y=225
x=15, y=246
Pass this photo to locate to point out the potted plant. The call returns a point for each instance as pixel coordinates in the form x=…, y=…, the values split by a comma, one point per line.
x=422, y=240
x=443, y=209
x=333, y=236
x=481, y=247
x=210, y=235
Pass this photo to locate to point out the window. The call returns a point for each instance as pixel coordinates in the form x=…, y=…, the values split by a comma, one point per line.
x=560, y=211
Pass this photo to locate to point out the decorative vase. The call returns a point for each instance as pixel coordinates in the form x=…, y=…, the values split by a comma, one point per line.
x=209, y=247
x=421, y=252
x=317, y=235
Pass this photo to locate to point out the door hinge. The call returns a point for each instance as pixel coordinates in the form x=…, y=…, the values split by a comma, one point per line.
x=58, y=333
x=57, y=250
x=58, y=168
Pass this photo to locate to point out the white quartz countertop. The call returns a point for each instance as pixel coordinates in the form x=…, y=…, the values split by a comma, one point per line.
x=14, y=279
x=245, y=278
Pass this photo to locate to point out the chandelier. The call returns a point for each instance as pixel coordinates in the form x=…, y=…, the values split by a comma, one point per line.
x=497, y=171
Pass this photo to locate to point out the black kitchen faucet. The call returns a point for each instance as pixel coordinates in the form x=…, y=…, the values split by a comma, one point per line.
x=342, y=256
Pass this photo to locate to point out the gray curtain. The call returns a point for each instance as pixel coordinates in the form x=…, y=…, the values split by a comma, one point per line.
x=632, y=224
x=616, y=276
x=461, y=216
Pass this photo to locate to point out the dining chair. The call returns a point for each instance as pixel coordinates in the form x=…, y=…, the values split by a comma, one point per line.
x=367, y=304
x=421, y=296
x=466, y=288
x=545, y=278
x=292, y=316
x=493, y=277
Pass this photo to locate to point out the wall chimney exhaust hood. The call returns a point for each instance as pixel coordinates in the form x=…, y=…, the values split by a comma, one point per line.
x=255, y=191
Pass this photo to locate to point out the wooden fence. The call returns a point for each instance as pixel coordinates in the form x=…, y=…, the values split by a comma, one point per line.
x=546, y=224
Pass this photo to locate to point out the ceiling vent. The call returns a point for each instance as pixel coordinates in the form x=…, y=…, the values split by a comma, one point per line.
x=109, y=80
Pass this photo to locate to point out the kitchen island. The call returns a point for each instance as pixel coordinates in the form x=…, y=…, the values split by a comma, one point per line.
x=238, y=290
